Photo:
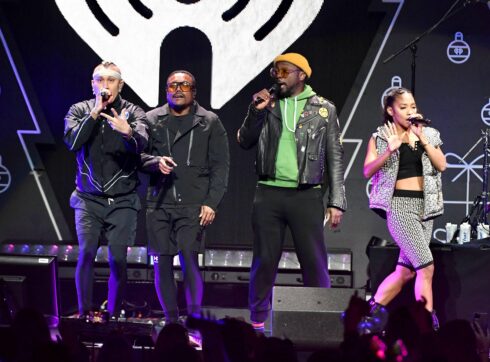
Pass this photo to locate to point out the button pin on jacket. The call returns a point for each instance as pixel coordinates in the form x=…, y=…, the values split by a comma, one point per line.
x=323, y=112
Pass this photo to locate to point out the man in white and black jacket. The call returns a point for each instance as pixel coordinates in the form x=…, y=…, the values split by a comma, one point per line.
x=188, y=159
x=107, y=134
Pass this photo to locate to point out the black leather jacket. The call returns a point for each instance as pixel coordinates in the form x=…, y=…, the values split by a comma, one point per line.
x=107, y=162
x=203, y=178
x=318, y=144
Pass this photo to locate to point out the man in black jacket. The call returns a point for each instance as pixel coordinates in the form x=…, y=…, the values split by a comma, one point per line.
x=107, y=134
x=188, y=160
x=297, y=135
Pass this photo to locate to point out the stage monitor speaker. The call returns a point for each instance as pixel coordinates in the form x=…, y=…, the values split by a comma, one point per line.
x=310, y=317
x=30, y=281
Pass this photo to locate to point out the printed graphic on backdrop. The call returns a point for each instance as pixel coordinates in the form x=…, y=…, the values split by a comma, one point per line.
x=485, y=113
x=396, y=82
x=5, y=177
x=24, y=181
x=239, y=54
x=458, y=51
x=467, y=170
x=370, y=67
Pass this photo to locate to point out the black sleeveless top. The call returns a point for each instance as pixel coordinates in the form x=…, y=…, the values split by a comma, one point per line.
x=410, y=161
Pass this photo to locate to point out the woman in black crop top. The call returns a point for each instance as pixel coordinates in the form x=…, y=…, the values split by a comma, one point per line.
x=398, y=154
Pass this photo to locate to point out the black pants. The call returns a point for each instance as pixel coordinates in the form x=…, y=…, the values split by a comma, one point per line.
x=176, y=230
x=303, y=212
x=117, y=218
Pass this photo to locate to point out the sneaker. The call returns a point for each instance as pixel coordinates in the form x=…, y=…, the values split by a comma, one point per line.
x=435, y=321
x=195, y=339
x=258, y=326
x=376, y=321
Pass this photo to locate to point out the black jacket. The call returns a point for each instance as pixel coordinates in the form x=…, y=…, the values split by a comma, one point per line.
x=203, y=178
x=318, y=144
x=107, y=162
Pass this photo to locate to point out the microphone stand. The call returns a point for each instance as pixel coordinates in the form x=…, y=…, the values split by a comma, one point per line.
x=480, y=204
x=413, y=44
x=484, y=195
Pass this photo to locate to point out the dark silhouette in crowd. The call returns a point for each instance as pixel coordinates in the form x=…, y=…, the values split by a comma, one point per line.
x=456, y=341
x=29, y=339
x=116, y=348
x=31, y=334
x=273, y=349
x=173, y=345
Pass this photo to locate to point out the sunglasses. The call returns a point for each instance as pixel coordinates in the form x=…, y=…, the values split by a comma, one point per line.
x=282, y=73
x=184, y=87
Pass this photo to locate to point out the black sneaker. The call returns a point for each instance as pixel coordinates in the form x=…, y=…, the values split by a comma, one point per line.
x=435, y=321
x=376, y=321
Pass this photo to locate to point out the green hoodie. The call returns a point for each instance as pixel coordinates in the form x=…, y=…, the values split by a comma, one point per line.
x=287, y=154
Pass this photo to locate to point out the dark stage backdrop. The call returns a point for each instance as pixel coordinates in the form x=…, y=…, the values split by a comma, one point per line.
x=49, y=48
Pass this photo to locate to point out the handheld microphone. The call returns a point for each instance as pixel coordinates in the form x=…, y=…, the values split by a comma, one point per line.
x=104, y=93
x=416, y=121
x=273, y=90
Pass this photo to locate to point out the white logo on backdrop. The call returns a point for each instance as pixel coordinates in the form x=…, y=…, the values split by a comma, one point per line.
x=458, y=51
x=5, y=177
x=396, y=82
x=237, y=56
x=466, y=169
x=485, y=113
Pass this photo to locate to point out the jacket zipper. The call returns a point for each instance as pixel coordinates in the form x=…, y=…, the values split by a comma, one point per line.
x=103, y=156
x=191, y=140
x=174, y=190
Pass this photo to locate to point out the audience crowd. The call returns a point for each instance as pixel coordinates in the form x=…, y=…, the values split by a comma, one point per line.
x=407, y=336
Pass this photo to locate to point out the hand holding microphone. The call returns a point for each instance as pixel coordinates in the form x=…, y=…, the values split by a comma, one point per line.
x=101, y=101
x=263, y=98
x=418, y=119
x=417, y=123
x=104, y=94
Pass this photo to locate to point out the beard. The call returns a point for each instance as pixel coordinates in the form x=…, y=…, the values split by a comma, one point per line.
x=285, y=91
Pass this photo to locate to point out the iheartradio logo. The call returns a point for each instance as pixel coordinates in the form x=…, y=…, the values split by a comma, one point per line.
x=235, y=29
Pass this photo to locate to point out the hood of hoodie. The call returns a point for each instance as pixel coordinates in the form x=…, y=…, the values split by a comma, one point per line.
x=292, y=107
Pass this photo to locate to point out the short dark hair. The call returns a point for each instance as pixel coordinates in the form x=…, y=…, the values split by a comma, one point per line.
x=185, y=72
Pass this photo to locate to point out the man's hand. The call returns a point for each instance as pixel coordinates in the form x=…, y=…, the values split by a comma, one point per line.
x=166, y=165
x=100, y=103
x=263, y=95
x=334, y=217
x=207, y=215
x=118, y=122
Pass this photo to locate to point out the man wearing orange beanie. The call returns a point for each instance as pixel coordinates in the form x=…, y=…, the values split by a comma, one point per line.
x=297, y=134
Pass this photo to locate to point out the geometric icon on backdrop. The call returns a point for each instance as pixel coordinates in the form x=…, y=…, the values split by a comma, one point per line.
x=396, y=82
x=485, y=113
x=236, y=43
x=458, y=51
x=369, y=185
x=5, y=177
